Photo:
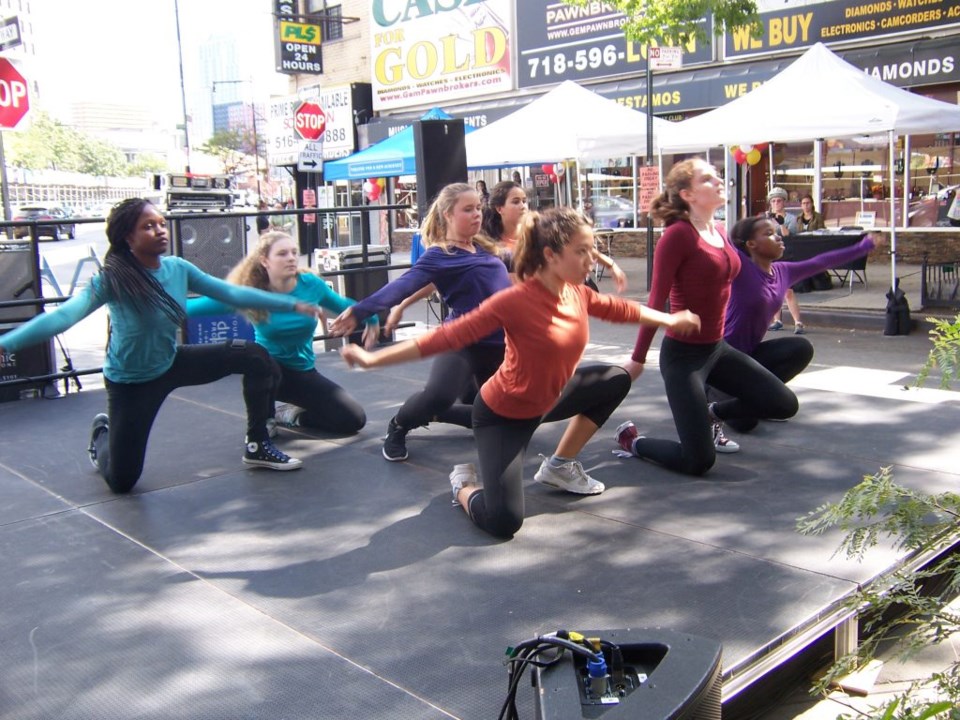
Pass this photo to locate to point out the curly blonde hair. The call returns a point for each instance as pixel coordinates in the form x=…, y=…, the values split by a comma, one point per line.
x=434, y=228
x=251, y=272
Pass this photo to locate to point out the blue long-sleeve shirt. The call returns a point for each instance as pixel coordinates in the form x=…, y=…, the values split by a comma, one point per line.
x=141, y=346
x=288, y=337
x=462, y=278
x=756, y=296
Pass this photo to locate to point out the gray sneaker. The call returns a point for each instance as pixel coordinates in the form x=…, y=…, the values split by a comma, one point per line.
x=288, y=416
x=465, y=474
x=569, y=476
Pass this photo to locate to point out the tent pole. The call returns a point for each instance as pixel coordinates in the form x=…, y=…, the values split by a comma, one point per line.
x=893, y=224
x=906, y=181
x=770, y=184
x=818, y=173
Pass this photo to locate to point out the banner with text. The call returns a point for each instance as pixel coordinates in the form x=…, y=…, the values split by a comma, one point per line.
x=839, y=21
x=338, y=137
x=426, y=53
x=557, y=42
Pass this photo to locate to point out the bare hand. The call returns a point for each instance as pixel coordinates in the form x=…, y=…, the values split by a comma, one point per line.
x=371, y=335
x=344, y=324
x=356, y=356
x=619, y=278
x=633, y=368
x=684, y=322
x=393, y=319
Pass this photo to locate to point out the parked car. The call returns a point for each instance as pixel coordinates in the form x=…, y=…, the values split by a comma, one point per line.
x=610, y=211
x=59, y=222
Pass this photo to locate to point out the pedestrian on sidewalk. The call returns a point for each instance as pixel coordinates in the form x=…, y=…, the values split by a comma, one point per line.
x=786, y=226
x=545, y=315
x=758, y=291
x=694, y=266
x=314, y=401
x=146, y=293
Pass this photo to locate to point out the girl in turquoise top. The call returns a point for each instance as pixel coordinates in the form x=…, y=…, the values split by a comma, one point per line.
x=315, y=401
x=146, y=293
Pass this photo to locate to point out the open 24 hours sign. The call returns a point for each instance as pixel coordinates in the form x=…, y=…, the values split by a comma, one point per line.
x=558, y=42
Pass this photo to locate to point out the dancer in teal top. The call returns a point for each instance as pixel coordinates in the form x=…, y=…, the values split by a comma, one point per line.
x=146, y=291
x=314, y=401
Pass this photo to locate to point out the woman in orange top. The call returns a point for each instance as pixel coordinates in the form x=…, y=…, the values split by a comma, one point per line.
x=545, y=315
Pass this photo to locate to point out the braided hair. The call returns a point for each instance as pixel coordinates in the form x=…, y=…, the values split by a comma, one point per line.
x=124, y=277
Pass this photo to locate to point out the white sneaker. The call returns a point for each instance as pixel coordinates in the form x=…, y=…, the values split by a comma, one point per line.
x=288, y=416
x=721, y=442
x=465, y=474
x=570, y=477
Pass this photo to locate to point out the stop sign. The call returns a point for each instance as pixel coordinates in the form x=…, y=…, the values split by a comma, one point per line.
x=309, y=121
x=14, y=100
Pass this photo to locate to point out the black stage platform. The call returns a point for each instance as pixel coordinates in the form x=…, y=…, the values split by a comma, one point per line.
x=353, y=589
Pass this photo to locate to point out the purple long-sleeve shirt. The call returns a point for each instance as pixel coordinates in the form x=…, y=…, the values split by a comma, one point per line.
x=756, y=296
x=462, y=278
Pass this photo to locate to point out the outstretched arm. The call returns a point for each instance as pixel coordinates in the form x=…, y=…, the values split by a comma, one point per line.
x=619, y=276
x=356, y=356
x=396, y=312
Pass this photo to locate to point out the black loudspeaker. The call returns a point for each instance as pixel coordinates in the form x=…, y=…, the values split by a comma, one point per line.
x=214, y=244
x=652, y=674
x=441, y=156
x=19, y=279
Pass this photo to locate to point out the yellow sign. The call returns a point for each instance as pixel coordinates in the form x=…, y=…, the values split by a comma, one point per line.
x=299, y=33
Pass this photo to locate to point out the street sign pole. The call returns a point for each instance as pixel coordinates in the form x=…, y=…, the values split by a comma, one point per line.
x=4, y=190
x=649, y=163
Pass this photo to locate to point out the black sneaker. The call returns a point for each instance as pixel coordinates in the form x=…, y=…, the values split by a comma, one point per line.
x=265, y=454
x=101, y=424
x=395, y=442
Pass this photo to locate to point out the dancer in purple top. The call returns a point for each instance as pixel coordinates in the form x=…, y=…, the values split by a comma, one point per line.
x=758, y=293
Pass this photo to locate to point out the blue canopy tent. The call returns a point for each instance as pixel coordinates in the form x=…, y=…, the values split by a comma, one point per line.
x=388, y=158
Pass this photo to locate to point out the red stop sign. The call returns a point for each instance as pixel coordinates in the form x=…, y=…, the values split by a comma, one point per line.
x=309, y=121
x=14, y=99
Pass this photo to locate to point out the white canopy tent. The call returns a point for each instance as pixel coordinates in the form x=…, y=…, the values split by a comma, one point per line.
x=847, y=102
x=567, y=123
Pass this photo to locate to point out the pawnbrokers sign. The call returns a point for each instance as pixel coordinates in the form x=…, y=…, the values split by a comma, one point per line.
x=433, y=52
x=841, y=20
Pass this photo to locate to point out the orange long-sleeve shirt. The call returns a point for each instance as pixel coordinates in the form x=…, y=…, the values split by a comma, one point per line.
x=545, y=338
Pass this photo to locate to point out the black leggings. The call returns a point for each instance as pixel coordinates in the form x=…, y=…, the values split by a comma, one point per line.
x=454, y=376
x=132, y=407
x=594, y=391
x=785, y=357
x=686, y=369
x=327, y=406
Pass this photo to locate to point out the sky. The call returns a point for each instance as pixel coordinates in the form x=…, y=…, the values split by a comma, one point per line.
x=126, y=50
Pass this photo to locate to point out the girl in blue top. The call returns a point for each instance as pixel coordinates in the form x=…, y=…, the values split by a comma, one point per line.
x=316, y=402
x=146, y=292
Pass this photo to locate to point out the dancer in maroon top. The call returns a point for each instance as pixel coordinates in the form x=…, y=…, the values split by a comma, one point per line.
x=694, y=266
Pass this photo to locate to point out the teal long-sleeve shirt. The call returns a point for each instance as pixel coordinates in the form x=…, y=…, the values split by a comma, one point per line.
x=142, y=346
x=288, y=337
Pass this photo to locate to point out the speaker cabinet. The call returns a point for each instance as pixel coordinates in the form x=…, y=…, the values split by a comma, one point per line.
x=214, y=244
x=19, y=279
x=441, y=156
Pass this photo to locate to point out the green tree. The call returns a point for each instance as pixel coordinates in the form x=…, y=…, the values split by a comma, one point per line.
x=913, y=607
x=147, y=164
x=50, y=145
x=233, y=148
x=676, y=20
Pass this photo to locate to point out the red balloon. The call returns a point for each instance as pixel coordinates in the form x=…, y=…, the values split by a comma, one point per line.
x=740, y=156
x=760, y=146
x=374, y=192
x=555, y=179
x=547, y=168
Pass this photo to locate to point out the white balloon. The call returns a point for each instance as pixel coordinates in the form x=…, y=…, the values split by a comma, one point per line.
x=559, y=169
x=746, y=148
